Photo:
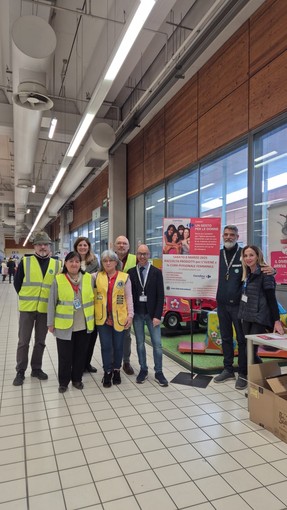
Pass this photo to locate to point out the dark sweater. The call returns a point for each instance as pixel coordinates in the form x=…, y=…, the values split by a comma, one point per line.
x=229, y=290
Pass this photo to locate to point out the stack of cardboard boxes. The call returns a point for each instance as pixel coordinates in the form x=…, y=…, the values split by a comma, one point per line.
x=267, y=397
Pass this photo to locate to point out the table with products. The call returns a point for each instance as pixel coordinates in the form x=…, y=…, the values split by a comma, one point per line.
x=269, y=339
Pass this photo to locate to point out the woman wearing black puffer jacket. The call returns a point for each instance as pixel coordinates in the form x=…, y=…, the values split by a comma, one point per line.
x=258, y=306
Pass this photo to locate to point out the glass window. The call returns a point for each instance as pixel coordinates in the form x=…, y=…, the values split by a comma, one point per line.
x=182, y=196
x=270, y=182
x=223, y=190
x=154, y=214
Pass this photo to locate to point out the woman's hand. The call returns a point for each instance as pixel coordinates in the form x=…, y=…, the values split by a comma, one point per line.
x=128, y=322
x=278, y=328
x=51, y=329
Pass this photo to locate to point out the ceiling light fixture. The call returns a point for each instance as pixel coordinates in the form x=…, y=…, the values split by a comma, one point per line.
x=57, y=181
x=52, y=128
x=129, y=38
x=43, y=208
x=33, y=189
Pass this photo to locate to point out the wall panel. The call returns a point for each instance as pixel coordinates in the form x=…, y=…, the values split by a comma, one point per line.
x=154, y=135
x=181, y=111
x=227, y=70
x=135, y=152
x=154, y=169
x=268, y=91
x=268, y=34
x=223, y=123
x=181, y=151
x=135, y=180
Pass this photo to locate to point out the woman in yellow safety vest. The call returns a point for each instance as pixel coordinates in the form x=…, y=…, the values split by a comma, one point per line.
x=71, y=319
x=113, y=314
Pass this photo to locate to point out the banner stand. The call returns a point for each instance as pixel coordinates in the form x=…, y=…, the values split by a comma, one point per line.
x=191, y=379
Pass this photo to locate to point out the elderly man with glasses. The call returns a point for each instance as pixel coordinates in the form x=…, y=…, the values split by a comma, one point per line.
x=148, y=297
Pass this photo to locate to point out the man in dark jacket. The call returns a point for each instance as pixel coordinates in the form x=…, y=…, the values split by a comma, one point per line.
x=228, y=300
x=148, y=297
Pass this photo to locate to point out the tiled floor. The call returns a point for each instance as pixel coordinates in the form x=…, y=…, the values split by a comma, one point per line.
x=132, y=446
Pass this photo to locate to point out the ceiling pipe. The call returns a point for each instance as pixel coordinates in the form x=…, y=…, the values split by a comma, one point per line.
x=95, y=151
x=33, y=45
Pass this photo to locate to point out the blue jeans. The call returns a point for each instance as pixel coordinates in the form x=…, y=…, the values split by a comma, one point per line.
x=112, y=342
x=139, y=322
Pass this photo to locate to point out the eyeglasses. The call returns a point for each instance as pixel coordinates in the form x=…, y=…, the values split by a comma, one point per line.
x=142, y=254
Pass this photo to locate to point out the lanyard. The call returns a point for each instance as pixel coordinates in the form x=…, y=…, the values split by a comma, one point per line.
x=146, y=275
x=228, y=266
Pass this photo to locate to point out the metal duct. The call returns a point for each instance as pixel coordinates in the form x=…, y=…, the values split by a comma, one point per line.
x=33, y=45
x=96, y=147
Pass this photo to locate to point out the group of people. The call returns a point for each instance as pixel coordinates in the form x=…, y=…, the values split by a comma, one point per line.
x=176, y=240
x=83, y=298
x=8, y=268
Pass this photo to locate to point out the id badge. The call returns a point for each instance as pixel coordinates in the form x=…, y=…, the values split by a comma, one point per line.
x=244, y=298
x=77, y=304
x=143, y=299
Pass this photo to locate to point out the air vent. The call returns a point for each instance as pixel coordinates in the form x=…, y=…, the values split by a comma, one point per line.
x=32, y=96
x=94, y=163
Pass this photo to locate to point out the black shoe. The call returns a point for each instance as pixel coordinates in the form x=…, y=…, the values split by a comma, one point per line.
x=90, y=368
x=19, y=379
x=160, y=379
x=117, y=377
x=62, y=389
x=78, y=384
x=128, y=369
x=107, y=379
x=142, y=376
x=241, y=382
x=37, y=372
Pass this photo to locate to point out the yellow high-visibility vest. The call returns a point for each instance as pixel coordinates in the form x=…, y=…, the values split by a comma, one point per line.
x=64, y=313
x=119, y=305
x=35, y=290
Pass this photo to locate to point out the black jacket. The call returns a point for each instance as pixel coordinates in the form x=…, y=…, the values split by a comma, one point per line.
x=154, y=290
x=261, y=306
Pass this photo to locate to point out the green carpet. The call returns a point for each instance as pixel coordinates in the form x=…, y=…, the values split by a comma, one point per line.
x=202, y=363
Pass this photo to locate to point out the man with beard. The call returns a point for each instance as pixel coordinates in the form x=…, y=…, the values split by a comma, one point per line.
x=128, y=260
x=32, y=282
x=228, y=298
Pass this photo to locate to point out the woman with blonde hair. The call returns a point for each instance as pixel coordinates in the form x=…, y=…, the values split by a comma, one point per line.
x=258, y=307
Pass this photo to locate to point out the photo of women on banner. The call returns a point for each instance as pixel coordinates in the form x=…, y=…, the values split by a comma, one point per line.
x=191, y=256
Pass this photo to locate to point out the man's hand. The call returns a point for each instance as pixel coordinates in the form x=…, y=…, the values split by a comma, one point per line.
x=51, y=329
x=156, y=322
x=268, y=270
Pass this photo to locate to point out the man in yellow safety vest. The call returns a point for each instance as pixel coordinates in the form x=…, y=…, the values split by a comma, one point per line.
x=33, y=279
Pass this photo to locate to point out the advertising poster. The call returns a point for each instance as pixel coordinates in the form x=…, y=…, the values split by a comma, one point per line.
x=277, y=240
x=191, y=256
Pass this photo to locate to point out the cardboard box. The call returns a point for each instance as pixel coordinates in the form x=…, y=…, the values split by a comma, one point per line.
x=267, y=397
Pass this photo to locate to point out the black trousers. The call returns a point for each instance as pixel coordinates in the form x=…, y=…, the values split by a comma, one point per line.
x=228, y=316
x=92, y=341
x=71, y=357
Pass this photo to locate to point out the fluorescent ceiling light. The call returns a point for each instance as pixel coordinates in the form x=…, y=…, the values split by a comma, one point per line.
x=80, y=133
x=43, y=208
x=241, y=171
x=267, y=155
x=271, y=160
x=28, y=211
x=33, y=189
x=129, y=38
x=58, y=179
x=150, y=207
x=190, y=192
x=52, y=128
x=161, y=199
